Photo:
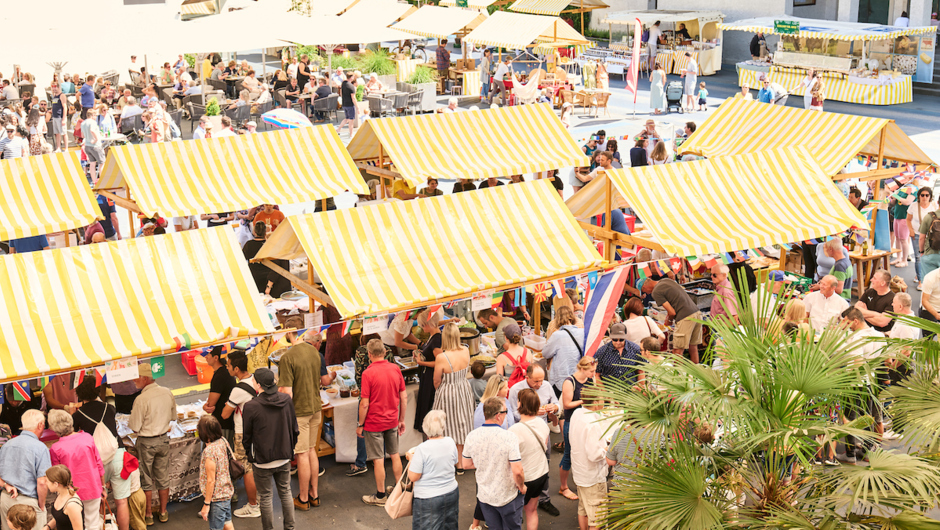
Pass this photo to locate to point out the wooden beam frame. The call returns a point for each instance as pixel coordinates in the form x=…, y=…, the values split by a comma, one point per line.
x=127, y=204
x=877, y=174
x=307, y=288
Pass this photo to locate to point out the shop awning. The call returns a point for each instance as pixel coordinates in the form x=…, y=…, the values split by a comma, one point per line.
x=44, y=194
x=730, y=203
x=471, y=4
x=332, y=7
x=232, y=173
x=377, y=12
x=826, y=29
x=198, y=8
x=474, y=144
x=78, y=307
x=387, y=257
x=364, y=22
x=555, y=7
x=648, y=17
x=516, y=31
x=740, y=126
x=440, y=22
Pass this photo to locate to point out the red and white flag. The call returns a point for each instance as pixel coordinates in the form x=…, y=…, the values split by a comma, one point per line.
x=633, y=75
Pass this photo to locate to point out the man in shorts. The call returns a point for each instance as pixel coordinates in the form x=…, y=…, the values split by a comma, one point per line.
x=348, y=93
x=301, y=372
x=91, y=135
x=382, y=406
x=588, y=461
x=680, y=309
x=153, y=411
x=242, y=393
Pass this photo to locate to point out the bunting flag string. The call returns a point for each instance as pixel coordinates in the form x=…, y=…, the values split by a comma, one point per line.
x=21, y=391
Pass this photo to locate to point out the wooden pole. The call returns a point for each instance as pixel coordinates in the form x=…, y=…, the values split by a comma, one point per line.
x=582, y=17
x=536, y=316
x=382, y=166
x=130, y=213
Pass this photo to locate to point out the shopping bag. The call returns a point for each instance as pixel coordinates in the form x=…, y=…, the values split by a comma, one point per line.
x=398, y=503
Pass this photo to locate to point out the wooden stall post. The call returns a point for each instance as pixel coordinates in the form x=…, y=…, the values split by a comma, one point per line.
x=536, y=315
x=877, y=192
x=130, y=213
x=382, y=166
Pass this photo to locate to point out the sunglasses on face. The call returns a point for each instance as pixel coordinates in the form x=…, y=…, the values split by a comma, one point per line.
x=618, y=340
x=925, y=195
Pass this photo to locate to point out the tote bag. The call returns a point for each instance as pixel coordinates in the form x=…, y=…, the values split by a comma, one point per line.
x=398, y=503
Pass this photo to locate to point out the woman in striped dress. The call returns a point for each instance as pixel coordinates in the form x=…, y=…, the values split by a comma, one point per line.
x=454, y=395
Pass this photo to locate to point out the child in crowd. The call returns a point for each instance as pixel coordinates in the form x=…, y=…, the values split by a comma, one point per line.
x=21, y=517
x=702, y=94
x=478, y=384
x=137, y=502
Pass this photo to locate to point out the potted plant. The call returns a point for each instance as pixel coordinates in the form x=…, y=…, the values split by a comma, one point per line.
x=380, y=63
x=214, y=112
x=425, y=79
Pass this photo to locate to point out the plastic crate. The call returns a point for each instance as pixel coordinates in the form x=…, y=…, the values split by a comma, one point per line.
x=189, y=361
x=535, y=342
x=799, y=282
x=702, y=301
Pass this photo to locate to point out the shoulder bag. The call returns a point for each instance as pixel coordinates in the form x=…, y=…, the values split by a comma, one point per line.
x=398, y=503
x=236, y=469
x=576, y=345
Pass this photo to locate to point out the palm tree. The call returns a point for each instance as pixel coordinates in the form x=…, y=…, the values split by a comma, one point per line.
x=772, y=401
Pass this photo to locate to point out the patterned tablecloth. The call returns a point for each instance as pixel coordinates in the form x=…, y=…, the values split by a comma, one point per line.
x=837, y=89
x=185, y=455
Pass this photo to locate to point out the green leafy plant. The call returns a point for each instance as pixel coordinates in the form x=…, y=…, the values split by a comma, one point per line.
x=770, y=397
x=377, y=62
x=360, y=92
x=346, y=63
x=190, y=59
x=423, y=75
x=213, y=108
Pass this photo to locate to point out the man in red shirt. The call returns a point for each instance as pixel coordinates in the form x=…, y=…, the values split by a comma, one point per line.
x=382, y=406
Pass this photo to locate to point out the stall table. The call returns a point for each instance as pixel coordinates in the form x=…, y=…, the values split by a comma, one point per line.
x=883, y=91
x=470, y=80
x=866, y=265
x=184, y=456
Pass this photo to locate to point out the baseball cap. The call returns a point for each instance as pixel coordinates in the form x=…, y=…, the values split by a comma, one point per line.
x=265, y=378
x=512, y=330
x=639, y=284
x=777, y=276
x=143, y=370
x=618, y=331
x=252, y=124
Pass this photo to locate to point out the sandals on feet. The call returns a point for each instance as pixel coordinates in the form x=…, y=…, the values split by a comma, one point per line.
x=568, y=494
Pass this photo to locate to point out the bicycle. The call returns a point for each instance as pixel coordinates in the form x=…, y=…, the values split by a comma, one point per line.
x=418, y=52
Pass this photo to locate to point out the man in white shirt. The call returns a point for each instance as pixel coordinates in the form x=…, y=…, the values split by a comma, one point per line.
x=226, y=128
x=653, y=42
x=499, y=88
x=589, y=461
x=930, y=299
x=292, y=68
x=131, y=109
x=10, y=91
x=865, y=353
x=243, y=392
x=902, y=21
x=824, y=306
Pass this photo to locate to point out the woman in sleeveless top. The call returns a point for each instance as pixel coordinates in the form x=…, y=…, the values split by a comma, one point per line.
x=67, y=508
x=571, y=401
x=454, y=395
x=426, y=359
x=515, y=352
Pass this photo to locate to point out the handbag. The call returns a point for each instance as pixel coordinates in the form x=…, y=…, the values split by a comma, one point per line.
x=398, y=503
x=236, y=469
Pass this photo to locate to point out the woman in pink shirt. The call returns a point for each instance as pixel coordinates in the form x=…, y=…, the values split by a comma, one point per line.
x=77, y=451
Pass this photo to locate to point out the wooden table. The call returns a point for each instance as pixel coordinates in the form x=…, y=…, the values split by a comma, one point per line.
x=865, y=265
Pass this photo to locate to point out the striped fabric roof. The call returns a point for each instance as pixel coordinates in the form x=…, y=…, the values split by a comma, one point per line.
x=740, y=126
x=553, y=7
x=827, y=29
x=382, y=257
x=471, y=4
x=733, y=202
x=666, y=16
x=233, y=173
x=440, y=22
x=44, y=194
x=518, y=30
x=81, y=306
x=474, y=144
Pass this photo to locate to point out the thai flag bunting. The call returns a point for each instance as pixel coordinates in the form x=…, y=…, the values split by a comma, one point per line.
x=600, y=307
x=21, y=390
x=558, y=287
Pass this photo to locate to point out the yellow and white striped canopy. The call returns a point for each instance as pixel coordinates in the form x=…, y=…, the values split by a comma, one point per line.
x=44, y=194
x=740, y=126
x=554, y=7
x=386, y=256
x=516, y=31
x=440, y=22
x=826, y=29
x=733, y=202
x=475, y=144
x=471, y=4
x=233, y=173
x=80, y=306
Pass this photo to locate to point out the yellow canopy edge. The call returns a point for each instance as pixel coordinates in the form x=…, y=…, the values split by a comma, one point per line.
x=516, y=31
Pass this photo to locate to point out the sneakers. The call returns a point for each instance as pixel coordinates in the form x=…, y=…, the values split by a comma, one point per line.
x=846, y=458
x=372, y=500
x=354, y=470
x=891, y=435
x=300, y=505
x=322, y=472
x=248, y=510
x=830, y=462
x=549, y=508
x=148, y=520
x=164, y=517
x=460, y=471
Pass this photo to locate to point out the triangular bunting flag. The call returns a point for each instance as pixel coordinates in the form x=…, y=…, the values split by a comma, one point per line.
x=183, y=342
x=77, y=377
x=497, y=299
x=21, y=391
x=558, y=287
x=346, y=325
x=540, y=293
x=434, y=308
x=710, y=261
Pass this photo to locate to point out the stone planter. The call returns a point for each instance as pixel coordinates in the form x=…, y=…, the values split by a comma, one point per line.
x=216, y=122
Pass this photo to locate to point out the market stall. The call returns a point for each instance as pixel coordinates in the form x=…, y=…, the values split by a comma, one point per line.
x=79, y=307
x=722, y=204
x=520, y=31
x=439, y=23
x=45, y=194
x=368, y=260
x=557, y=7
x=703, y=40
x=869, y=64
x=465, y=145
x=229, y=173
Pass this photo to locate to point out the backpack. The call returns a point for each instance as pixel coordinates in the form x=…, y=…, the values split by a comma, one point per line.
x=105, y=441
x=933, y=233
x=521, y=365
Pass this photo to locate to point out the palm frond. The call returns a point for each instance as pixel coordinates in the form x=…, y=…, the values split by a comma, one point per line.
x=890, y=476
x=915, y=408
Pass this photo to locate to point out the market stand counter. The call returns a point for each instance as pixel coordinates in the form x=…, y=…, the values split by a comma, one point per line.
x=886, y=90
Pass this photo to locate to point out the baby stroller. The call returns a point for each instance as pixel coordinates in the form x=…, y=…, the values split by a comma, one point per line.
x=674, y=90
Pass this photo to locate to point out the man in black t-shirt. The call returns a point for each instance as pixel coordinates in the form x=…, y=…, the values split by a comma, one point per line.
x=877, y=301
x=322, y=92
x=219, y=389
x=348, y=93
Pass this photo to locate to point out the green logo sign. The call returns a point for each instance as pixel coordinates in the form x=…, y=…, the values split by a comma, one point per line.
x=461, y=3
x=786, y=26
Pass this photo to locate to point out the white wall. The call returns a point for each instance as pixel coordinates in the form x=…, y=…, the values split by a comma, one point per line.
x=823, y=10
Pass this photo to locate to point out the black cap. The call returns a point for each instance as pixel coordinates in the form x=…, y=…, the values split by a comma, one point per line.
x=265, y=378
